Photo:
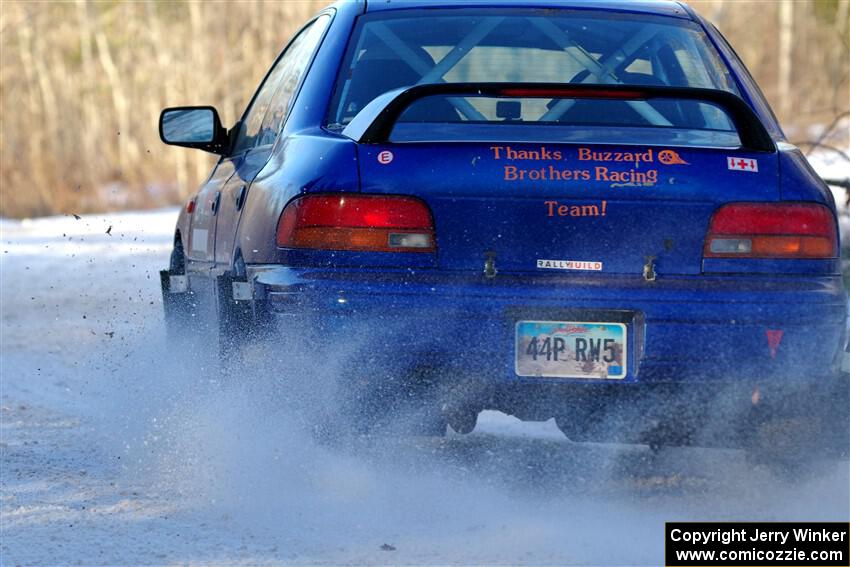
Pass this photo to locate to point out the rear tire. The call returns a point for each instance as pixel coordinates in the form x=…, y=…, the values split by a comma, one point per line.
x=796, y=449
x=463, y=421
x=406, y=407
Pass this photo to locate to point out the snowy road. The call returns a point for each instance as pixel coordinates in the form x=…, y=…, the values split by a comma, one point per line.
x=113, y=454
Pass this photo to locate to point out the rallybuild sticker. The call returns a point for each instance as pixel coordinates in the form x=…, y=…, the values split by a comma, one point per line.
x=569, y=265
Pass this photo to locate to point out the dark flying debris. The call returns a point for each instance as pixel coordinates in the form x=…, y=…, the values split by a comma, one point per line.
x=387, y=547
x=109, y=230
x=76, y=216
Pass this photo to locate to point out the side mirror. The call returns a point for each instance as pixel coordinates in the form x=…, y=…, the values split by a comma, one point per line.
x=194, y=127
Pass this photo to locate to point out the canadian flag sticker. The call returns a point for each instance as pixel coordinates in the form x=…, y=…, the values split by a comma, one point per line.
x=742, y=164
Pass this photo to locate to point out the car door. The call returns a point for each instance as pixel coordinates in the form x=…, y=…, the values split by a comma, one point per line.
x=208, y=210
x=200, y=241
x=260, y=130
x=208, y=206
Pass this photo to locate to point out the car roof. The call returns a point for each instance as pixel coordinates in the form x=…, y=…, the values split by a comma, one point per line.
x=658, y=7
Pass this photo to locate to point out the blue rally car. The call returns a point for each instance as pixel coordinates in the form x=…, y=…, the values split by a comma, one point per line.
x=563, y=209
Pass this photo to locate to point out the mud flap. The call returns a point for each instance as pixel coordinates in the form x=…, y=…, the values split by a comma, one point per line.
x=176, y=302
x=802, y=430
x=839, y=445
x=845, y=362
x=235, y=317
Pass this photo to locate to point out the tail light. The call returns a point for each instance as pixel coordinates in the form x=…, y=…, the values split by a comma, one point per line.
x=373, y=223
x=772, y=230
x=190, y=206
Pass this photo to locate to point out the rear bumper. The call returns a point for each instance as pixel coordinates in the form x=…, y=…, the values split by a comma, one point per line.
x=700, y=368
x=680, y=330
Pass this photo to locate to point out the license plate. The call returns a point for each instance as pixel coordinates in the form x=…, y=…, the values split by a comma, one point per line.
x=571, y=349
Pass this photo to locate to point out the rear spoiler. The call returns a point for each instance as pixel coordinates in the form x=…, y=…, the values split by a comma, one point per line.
x=374, y=124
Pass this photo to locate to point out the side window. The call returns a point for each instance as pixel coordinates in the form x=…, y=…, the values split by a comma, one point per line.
x=252, y=131
x=294, y=64
x=253, y=119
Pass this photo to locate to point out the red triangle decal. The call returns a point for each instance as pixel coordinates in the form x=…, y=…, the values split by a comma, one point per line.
x=774, y=337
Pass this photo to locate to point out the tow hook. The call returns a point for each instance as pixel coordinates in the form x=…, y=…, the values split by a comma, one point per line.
x=490, y=270
x=649, y=273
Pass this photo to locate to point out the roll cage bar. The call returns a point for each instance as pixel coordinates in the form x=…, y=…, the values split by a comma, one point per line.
x=599, y=71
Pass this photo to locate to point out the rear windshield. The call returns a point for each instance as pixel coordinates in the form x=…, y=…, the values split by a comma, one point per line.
x=391, y=50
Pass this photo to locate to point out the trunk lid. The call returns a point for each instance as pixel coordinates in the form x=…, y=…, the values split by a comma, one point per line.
x=598, y=208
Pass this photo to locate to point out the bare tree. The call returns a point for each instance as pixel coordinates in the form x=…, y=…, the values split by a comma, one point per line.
x=75, y=74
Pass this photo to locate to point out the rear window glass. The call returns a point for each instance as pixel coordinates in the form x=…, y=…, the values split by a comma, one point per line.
x=403, y=48
x=657, y=121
